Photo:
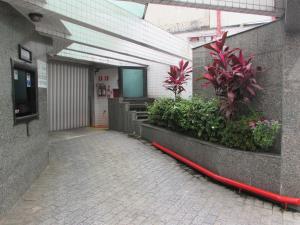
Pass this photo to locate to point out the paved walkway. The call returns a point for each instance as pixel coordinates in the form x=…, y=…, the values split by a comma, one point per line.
x=107, y=178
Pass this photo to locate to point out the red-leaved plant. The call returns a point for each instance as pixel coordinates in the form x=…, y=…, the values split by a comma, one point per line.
x=232, y=76
x=178, y=76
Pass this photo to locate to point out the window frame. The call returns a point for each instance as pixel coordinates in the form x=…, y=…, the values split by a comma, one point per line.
x=32, y=69
x=145, y=83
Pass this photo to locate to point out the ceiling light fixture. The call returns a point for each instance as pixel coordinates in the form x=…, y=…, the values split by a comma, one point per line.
x=35, y=17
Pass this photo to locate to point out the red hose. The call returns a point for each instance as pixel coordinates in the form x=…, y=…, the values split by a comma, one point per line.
x=266, y=194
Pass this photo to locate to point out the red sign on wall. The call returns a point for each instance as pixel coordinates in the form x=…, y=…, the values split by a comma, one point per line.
x=103, y=77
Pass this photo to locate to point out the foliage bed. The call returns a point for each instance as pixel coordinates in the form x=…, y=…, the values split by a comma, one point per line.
x=203, y=119
x=233, y=78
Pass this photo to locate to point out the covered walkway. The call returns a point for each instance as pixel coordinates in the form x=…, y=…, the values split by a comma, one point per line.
x=104, y=177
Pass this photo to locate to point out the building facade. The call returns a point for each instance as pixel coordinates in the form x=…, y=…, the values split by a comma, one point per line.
x=61, y=61
x=59, y=67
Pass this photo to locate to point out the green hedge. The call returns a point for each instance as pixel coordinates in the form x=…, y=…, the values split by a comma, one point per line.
x=202, y=119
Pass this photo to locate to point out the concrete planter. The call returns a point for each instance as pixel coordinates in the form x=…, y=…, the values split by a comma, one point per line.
x=257, y=169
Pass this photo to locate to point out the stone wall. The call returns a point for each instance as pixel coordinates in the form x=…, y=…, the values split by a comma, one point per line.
x=22, y=158
x=266, y=43
x=290, y=172
x=278, y=52
x=248, y=167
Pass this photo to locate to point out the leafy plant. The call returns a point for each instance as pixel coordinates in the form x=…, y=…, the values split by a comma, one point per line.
x=265, y=132
x=178, y=113
x=178, y=76
x=158, y=111
x=197, y=117
x=202, y=119
x=238, y=134
x=232, y=76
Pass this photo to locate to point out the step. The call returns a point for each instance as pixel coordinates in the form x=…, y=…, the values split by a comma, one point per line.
x=137, y=107
x=142, y=117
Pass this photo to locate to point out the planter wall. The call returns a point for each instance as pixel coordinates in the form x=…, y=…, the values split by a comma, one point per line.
x=117, y=114
x=121, y=118
x=257, y=169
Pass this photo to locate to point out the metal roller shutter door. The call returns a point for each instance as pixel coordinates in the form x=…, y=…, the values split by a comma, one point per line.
x=68, y=99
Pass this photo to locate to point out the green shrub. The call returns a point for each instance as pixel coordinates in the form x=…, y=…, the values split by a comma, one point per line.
x=158, y=111
x=177, y=114
x=202, y=119
x=238, y=134
x=197, y=117
x=265, y=132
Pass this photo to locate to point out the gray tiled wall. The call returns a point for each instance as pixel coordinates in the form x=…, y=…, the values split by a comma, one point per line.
x=266, y=43
x=290, y=173
x=22, y=158
x=278, y=52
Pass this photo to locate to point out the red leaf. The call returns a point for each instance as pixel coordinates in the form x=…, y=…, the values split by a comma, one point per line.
x=220, y=43
x=185, y=65
x=241, y=58
x=212, y=47
x=231, y=97
x=231, y=74
x=178, y=76
x=209, y=77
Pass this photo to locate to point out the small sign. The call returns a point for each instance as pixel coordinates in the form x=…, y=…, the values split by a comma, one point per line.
x=101, y=78
x=42, y=74
x=28, y=80
x=25, y=54
x=16, y=75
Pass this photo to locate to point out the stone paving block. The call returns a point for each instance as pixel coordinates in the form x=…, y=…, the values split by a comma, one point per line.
x=107, y=178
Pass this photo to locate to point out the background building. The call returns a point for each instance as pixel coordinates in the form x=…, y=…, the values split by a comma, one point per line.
x=198, y=26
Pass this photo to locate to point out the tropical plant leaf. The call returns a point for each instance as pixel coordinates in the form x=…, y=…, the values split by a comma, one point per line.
x=232, y=76
x=178, y=76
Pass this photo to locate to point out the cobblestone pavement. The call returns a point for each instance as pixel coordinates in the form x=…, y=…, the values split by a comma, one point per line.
x=108, y=178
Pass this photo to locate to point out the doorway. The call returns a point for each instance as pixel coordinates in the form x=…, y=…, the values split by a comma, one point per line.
x=68, y=97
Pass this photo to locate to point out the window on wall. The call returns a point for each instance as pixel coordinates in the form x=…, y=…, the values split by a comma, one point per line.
x=24, y=92
x=133, y=82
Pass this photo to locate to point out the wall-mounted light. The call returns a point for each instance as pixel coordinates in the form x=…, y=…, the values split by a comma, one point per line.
x=35, y=17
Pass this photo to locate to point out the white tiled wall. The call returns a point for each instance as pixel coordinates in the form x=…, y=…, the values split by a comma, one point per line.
x=101, y=103
x=157, y=73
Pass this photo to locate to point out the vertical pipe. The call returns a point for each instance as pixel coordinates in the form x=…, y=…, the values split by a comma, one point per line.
x=219, y=24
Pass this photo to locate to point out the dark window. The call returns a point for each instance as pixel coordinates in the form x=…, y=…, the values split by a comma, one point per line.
x=24, y=87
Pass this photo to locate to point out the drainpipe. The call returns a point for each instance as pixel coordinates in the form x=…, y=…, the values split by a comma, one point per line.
x=219, y=24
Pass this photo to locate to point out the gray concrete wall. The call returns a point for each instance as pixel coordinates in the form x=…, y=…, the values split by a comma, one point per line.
x=248, y=167
x=290, y=174
x=278, y=52
x=117, y=114
x=121, y=119
x=266, y=43
x=292, y=15
x=22, y=158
